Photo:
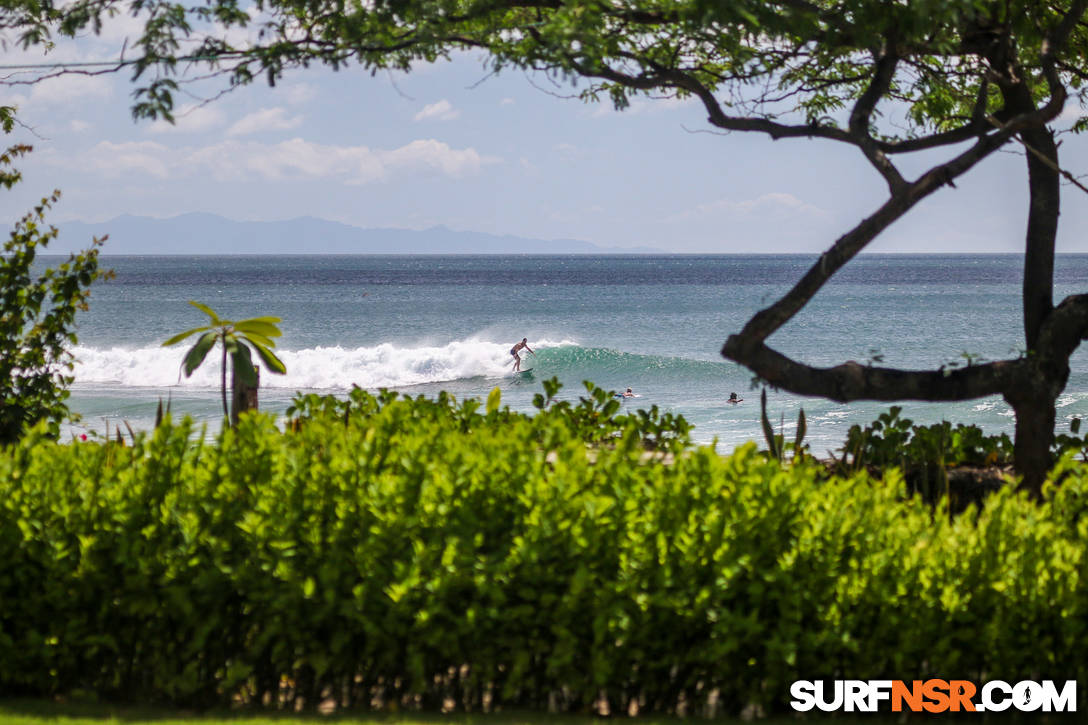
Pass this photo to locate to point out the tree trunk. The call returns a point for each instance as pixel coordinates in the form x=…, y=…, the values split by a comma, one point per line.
x=1034, y=401
x=1044, y=188
x=243, y=397
x=1035, y=416
x=223, y=381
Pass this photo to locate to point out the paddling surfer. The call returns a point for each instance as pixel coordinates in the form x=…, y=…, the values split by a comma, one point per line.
x=514, y=351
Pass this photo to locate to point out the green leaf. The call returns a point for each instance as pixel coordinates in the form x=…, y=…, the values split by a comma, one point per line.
x=802, y=428
x=768, y=431
x=198, y=352
x=494, y=399
x=259, y=327
x=179, y=337
x=259, y=339
x=207, y=311
x=273, y=363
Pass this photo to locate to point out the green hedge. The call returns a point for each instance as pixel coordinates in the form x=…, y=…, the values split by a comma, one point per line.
x=422, y=553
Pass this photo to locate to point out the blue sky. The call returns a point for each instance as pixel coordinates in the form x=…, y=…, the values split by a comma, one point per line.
x=449, y=145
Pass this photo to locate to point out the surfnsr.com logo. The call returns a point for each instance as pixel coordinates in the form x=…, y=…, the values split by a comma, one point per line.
x=933, y=696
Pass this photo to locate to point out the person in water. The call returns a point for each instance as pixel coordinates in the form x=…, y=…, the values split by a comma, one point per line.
x=628, y=394
x=514, y=351
x=734, y=399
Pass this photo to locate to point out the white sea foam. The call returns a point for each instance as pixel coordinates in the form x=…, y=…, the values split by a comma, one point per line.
x=335, y=368
x=1066, y=399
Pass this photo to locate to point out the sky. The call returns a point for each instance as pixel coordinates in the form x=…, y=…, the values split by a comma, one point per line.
x=448, y=144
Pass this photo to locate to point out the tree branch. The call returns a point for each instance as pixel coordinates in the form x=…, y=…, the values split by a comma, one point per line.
x=1065, y=327
x=972, y=129
x=767, y=321
x=1049, y=163
x=852, y=381
x=862, y=113
x=684, y=81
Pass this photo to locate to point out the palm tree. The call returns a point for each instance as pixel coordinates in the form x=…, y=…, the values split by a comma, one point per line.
x=236, y=338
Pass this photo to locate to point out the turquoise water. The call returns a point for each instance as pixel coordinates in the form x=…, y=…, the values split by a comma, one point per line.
x=421, y=324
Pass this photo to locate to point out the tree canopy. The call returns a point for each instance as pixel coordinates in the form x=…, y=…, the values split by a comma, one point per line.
x=787, y=67
x=948, y=81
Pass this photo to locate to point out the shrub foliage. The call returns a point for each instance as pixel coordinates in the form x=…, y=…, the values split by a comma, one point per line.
x=37, y=312
x=389, y=551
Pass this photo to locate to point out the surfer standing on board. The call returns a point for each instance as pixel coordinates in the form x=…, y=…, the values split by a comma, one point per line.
x=514, y=351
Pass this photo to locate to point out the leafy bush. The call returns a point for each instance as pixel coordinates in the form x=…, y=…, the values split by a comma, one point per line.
x=37, y=314
x=1074, y=442
x=594, y=419
x=894, y=441
x=776, y=443
x=393, y=551
x=925, y=454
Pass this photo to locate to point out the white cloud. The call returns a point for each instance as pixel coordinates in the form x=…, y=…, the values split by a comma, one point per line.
x=192, y=118
x=62, y=90
x=78, y=126
x=1072, y=111
x=506, y=102
x=16, y=99
x=357, y=164
x=118, y=159
x=773, y=203
x=641, y=105
x=122, y=27
x=293, y=158
x=567, y=151
x=266, y=119
x=299, y=93
x=437, y=156
x=296, y=158
x=441, y=111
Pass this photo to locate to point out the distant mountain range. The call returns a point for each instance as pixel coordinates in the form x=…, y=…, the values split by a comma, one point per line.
x=210, y=234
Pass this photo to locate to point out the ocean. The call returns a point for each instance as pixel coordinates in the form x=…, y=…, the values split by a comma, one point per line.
x=421, y=324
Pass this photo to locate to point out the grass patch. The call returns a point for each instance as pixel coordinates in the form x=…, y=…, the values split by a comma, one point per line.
x=46, y=712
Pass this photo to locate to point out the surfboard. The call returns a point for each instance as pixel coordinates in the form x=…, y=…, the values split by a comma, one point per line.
x=522, y=372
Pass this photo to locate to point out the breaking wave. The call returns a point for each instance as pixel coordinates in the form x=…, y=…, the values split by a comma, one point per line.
x=334, y=368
